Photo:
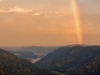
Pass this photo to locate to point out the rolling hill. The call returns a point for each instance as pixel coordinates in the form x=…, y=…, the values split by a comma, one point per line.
x=12, y=65
x=75, y=60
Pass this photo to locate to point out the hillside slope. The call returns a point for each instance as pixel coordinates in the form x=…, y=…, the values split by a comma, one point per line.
x=13, y=65
x=77, y=60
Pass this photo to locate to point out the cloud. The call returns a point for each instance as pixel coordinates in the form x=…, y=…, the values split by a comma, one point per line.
x=36, y=14
x=17, y=9
x=2, y=0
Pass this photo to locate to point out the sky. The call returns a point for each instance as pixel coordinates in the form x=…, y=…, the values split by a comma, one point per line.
x=47, y=22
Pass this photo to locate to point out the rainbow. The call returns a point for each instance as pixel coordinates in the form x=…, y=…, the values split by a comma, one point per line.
x=78, y=21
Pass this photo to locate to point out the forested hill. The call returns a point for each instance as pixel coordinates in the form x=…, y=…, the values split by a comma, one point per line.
x=77, y=60
x=12, y=65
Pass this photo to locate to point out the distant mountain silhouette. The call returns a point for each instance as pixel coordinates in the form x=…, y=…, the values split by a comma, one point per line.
x=30, y=52
x=12, y=65
x=73, y=60
x=24, y=54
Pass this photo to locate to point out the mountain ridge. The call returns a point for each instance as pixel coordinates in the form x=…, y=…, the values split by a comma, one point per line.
x=71, y=59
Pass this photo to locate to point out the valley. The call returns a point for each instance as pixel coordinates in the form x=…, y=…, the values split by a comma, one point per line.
x=66, y=60
x=35, y=60
x=30, y=52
